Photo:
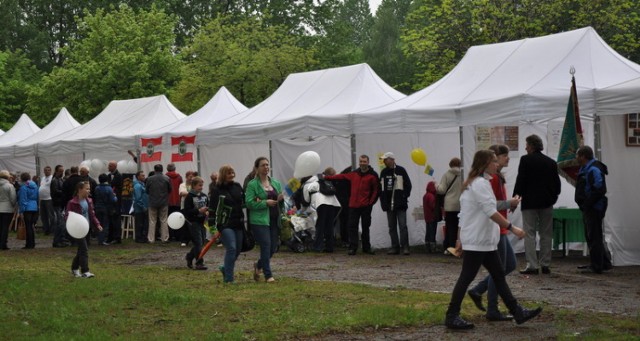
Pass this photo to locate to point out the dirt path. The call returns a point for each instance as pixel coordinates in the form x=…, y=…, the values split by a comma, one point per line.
x=616, y=292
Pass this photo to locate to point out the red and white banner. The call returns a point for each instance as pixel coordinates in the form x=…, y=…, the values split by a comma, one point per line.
x=148, y=153
x=181, y=146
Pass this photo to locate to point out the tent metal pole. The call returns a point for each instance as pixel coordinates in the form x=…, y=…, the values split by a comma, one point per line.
x=270, y=158
x=596, y=136
x=353, y=151
x=38, y=166
x=460, y=133
x=198, y=162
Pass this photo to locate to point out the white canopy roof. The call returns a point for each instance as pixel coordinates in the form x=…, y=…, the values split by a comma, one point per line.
x=61, y=123
x=306, y=104
x=220, y=107
x=116, y=128
x=20, y=131
x=523, y=80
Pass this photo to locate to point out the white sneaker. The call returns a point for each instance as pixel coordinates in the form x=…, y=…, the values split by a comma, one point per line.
x=76, y=273
x=183, y=244
x=88, y=275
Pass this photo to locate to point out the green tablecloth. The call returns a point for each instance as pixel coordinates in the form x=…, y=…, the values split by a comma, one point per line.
x=572, y=219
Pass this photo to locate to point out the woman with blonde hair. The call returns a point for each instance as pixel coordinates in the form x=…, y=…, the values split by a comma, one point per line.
x=478, y=238
x=232, y=229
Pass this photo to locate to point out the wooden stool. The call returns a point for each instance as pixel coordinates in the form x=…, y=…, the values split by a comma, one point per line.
x=128, y=223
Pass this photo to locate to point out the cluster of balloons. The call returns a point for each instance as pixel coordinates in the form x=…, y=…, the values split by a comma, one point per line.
x=307, y=164
x=97, y=166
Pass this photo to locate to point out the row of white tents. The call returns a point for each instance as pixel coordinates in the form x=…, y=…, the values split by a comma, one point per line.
x=347, y=111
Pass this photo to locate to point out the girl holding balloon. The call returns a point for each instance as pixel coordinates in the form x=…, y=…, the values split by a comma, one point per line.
x=82, y=205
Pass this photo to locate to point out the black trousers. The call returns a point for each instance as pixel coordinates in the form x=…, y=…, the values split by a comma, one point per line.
x=451, y=222
x=471, y=262
x=81, y=260
x=595, y=241
x=362, y=214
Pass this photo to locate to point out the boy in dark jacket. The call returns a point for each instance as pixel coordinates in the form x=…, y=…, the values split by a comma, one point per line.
x=196, y=210
x=429, y=207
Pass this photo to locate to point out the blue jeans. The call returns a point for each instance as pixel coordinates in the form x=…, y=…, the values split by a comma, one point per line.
x=397, y=220
x=232, y=241
x=268, y=238
x=197, y=236
x=508, y=262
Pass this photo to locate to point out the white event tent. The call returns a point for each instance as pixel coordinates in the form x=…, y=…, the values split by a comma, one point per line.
x=26, y=148
x=526, y=83
x=114, y=131
x=24, y=128
x=220, y=107
x=309, y=111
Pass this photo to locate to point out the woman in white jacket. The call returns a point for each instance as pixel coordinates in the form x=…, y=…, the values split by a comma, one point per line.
x=478, y=238
x=327, y=208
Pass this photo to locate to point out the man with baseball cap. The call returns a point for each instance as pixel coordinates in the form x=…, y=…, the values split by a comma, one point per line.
x=396, y=189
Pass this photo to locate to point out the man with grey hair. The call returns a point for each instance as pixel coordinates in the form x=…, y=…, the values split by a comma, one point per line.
x=538, y=184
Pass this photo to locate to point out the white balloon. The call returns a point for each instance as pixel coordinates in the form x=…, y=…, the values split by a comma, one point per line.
x=77, y=225
x=122, y=165
x=132, y=167
x=97, y=166
x=175, y=220
x=85, y=163
x=307, y=164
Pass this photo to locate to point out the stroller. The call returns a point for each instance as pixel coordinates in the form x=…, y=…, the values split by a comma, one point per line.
x=298, y=229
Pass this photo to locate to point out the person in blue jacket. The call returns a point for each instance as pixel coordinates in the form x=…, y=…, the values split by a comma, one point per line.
x=28, y=208
x=591, y=190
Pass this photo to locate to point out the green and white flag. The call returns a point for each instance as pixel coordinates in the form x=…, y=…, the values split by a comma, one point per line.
x=571, y=139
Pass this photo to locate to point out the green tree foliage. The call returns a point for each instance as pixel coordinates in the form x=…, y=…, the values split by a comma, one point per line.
x=343, y=32
x=383, y=52
x=244, y=55
x=16, y=77
x=439, y=32
x=119, y=55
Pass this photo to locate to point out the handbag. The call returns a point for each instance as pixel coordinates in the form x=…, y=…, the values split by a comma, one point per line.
x=248, y=241
x=439, y=209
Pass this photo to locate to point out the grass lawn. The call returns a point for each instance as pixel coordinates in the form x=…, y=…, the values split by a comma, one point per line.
x=41, y=300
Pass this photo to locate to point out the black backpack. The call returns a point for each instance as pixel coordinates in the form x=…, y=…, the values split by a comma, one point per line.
x=327, y=187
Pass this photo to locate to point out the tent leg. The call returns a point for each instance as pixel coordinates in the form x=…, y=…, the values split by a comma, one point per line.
x=353, y=151
x=461, y=134
x=596, y=137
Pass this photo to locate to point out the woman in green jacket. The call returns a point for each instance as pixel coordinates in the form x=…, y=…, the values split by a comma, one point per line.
x=264, y=200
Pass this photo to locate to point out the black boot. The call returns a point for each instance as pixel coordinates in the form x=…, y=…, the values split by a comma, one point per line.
x=522, y=315
x=458, y=323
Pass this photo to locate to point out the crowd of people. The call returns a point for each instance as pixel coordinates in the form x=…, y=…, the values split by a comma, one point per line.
x=475, y=213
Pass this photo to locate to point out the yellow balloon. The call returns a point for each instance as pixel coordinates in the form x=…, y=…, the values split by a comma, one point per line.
x=419, y=156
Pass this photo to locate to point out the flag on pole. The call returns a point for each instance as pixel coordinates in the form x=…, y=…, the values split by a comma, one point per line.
x=571, y=138
x=182, y=144
x=148, y=153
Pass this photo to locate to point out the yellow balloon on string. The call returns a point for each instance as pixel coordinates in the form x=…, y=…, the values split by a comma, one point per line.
x=419, y=157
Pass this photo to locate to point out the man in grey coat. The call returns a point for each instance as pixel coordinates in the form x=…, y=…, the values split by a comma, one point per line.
x=158, y=188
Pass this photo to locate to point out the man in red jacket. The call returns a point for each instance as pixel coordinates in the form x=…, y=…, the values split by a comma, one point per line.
x=364, y=193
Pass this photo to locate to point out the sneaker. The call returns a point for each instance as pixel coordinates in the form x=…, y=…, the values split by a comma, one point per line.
x=76, y=273
x=183, y=244
x=546, y=270
x=529, y=271
x=393, y=251
x=201, y=267
x=221, y=269
x=270, y=280
x=87, y=275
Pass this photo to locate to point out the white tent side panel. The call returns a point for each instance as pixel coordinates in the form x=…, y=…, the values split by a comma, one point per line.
x=240, y=156
x=622, y=234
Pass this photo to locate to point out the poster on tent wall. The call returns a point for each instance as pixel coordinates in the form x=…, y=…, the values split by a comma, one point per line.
x=633, y=130
x=487, y=136
x=181, y=146
x=149, y=154
x=127, y=193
